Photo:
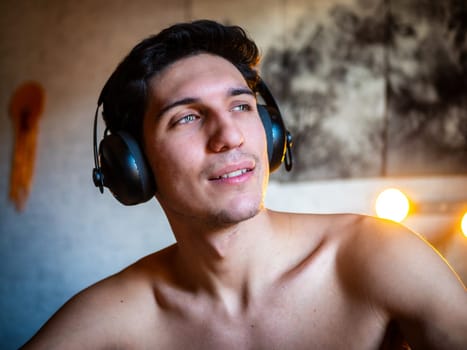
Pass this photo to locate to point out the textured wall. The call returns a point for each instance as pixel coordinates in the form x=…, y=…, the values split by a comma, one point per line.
x=373, y=87
x=69, y=235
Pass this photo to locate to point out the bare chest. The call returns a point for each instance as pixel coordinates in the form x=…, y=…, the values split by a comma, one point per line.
x=292, y=318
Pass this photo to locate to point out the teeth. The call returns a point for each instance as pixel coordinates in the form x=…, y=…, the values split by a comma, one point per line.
x=233, y=174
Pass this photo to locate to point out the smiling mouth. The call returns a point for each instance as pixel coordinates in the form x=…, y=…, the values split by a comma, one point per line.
x=232, y=174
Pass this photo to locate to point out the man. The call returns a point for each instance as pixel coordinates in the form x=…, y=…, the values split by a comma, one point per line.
x=241, y=276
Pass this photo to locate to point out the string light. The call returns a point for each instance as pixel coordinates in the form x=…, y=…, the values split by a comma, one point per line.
x=464, y=224
x=392, y=204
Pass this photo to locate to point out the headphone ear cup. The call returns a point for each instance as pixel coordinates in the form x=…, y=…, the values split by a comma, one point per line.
x=275, y=135
x=125, y=170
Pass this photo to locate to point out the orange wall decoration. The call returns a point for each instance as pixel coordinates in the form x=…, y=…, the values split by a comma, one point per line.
x=26, y=108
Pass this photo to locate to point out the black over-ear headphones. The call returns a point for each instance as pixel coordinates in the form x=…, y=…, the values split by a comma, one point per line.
x=120, y=165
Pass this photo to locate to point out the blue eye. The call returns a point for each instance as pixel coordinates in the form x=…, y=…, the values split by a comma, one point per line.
x=242, y=108
x=187, y=119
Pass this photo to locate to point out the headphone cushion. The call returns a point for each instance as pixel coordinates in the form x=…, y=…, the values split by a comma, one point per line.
x=275, y=135
x=125, y=170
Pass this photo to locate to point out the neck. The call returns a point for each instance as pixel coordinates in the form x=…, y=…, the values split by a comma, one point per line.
x=226, y=261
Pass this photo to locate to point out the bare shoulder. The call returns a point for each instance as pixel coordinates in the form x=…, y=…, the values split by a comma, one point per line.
x=405, y=279
x=110, y=313
x=394, y=271
x=388, y=252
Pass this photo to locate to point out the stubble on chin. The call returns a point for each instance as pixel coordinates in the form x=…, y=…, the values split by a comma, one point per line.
x=229, y=216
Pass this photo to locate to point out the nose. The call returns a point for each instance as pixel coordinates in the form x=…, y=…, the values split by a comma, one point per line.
x=225, y=133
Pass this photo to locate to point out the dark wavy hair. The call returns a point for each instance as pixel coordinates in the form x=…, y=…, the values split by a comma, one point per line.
x=124, y=96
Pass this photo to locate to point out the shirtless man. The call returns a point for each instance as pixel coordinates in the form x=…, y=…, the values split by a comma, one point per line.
x=241, y=276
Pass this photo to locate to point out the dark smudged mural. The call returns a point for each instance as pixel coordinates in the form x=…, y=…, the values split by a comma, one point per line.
x=372, y=88
x=427, y=103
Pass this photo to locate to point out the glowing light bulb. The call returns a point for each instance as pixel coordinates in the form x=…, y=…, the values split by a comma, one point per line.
x=392, y=204
x=464, y=224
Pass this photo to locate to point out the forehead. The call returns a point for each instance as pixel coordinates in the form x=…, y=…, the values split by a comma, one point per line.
x=195, y=75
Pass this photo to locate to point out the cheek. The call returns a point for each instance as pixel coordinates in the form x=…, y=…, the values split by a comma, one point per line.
x=260, y=140
x=258, y=135
x=171, y=163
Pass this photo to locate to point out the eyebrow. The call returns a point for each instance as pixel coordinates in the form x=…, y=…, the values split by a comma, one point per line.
x=181, y=102
x=190, y=100
x=240, y=91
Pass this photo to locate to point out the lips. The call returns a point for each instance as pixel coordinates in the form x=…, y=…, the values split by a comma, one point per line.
x=233, y=174
x=232, y=171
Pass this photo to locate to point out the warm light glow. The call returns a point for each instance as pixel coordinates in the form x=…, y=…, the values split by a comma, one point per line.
x=392, y=204
x=464, y=224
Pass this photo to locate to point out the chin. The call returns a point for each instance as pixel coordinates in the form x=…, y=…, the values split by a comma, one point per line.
x=236, y=215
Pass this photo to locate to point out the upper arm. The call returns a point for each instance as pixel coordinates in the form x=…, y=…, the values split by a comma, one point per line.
x=408, y=281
